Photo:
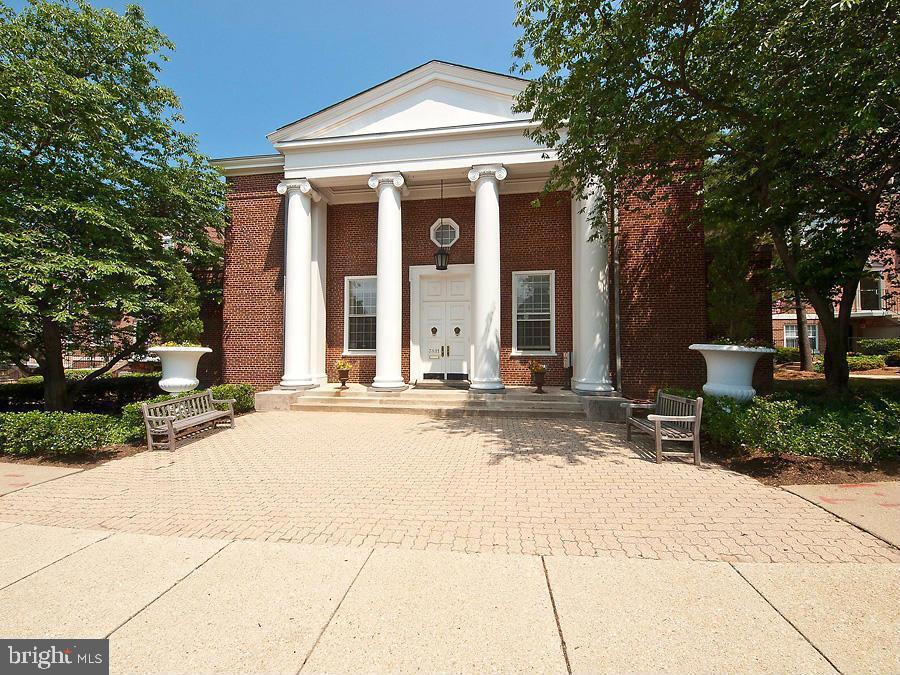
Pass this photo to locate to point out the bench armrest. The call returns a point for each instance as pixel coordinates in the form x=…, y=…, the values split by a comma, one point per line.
x=161, y=418
x=672, y=418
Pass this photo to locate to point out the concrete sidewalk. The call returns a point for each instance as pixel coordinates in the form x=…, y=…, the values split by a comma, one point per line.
x=873, y=507
x=203, y=605
x=16, y=476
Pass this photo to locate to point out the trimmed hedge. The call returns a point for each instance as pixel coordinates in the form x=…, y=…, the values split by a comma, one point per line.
x=56, y=433
x=847, y=429
x=787, y=354
x=131, y=422
x=101, y=394
x=893, y=359
x=856, y=362
x=877, y=345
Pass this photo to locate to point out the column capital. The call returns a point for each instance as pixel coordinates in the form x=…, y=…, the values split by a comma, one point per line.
x=479, y=171
x=388, y=178
x=299, y=184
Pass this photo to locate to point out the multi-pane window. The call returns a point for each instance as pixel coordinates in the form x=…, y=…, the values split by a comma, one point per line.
x=445, y=232
x=870, y=294
x=791, y=338
x=533, y=307
x=360, y=313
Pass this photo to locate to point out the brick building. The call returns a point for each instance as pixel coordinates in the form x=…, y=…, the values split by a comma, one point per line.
x=331, y=253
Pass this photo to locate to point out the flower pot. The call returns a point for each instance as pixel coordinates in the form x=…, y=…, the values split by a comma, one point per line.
x=343, y=376
x=179, y=367
x=538, y=380
x=729, y=369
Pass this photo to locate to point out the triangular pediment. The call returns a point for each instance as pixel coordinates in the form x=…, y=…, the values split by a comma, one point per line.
x=433, y=96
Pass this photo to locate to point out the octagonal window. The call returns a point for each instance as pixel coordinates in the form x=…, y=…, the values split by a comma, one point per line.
x=444, y=232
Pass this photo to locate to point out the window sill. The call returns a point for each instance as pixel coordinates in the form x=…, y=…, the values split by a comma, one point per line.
x=515, y=353
x=358, y=352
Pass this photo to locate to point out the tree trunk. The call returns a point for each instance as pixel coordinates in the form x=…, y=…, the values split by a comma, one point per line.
x=55, y=395
x=802, y=333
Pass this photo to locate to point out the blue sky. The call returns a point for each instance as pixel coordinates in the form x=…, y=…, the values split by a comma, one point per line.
x=242, y=68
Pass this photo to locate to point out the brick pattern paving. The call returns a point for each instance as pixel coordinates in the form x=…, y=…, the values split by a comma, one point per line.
x=475, y=485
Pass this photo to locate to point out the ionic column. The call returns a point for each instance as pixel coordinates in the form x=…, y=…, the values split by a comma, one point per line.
x=485, y=375
x=297, y=282
x=389, y=283
x=590, y=300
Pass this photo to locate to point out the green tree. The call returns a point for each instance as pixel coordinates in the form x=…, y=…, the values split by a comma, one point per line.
x=105, y=202
x=787, y=111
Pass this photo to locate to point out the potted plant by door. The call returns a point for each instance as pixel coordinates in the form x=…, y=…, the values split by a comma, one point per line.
x=538, y=372
x=729, y=366
x=343, y=369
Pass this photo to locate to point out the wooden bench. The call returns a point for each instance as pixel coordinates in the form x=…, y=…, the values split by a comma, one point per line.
x=674, y=418
x=184, y=415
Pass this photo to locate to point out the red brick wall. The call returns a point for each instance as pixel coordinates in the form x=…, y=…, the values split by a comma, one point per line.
x=662, y=293
x=532, y=238
x=252, y=312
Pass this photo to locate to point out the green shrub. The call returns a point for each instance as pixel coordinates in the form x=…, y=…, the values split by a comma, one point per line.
x=877, y=345
x=856, y=362
x=893, y=359
x=847, y=429
x=787, y=354
x=56, y=433
x=100, y=394
x=243, y=394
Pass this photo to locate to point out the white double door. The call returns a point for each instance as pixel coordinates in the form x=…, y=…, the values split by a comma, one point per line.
x=445, y=317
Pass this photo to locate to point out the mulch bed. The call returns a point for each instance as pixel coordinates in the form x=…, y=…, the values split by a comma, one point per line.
x=791, y=371
x=802, y=470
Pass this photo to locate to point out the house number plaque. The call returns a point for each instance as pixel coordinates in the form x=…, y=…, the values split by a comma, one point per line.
x=434, y=352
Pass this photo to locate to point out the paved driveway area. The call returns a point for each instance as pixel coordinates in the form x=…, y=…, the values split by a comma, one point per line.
x=472, y=485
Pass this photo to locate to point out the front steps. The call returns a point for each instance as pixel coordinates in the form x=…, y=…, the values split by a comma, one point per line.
x=441, y=402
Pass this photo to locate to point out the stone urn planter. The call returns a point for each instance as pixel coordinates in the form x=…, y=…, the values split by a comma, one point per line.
x=538, y=373
x=179, y=367
x=729, y=369
x=343, y=369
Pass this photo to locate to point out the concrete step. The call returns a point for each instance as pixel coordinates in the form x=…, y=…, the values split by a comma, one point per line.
x=437, y=410
x=376, y=401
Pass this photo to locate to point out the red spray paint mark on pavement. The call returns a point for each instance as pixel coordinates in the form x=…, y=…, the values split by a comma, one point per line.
x=13, y=475
x=832, y=500
x=889, y=505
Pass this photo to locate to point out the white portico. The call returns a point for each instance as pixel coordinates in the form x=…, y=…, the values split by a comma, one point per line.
x=438, y=130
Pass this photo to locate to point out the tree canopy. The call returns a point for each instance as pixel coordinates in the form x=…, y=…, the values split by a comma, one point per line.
x=105, y=200
x=790, y=110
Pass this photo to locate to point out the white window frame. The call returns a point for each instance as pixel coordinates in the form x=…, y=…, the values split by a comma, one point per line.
x=515, y=319
x=812, y=330
x=880, y=280
x=347, y=350
x=449, y=221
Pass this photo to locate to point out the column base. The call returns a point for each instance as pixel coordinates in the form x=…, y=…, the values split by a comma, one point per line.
x=487, y=385
x=389, y=385
x=298, y=384
x=592, y=387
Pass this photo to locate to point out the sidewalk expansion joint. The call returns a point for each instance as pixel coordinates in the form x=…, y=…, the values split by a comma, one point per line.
x=790, y=623
x=177, y=581
x=562, y=639
x=337, y=607
x=56, y=561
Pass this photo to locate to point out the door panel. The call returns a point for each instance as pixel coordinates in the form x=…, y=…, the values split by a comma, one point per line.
x=433, y=338
x=457, y=332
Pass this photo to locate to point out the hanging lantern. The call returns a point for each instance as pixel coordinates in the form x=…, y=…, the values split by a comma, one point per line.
x=441, y=258
x=442, y=255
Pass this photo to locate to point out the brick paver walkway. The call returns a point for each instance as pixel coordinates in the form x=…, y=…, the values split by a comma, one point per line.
x=507, y=485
